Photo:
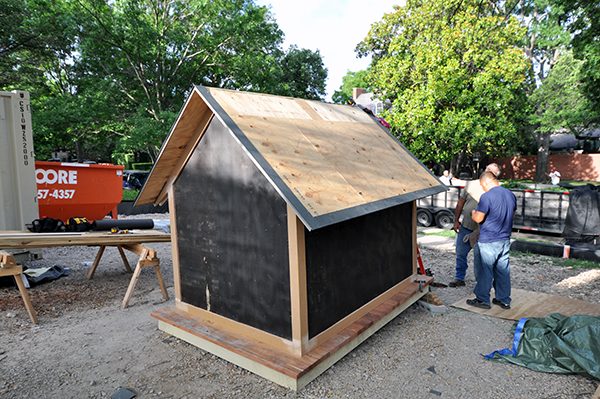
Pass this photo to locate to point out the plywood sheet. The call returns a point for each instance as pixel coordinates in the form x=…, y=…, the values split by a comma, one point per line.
x=332, y=157
x=329, y=162
x=534, y=304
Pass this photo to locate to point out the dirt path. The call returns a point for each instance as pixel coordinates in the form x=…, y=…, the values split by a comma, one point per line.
x=86, y=346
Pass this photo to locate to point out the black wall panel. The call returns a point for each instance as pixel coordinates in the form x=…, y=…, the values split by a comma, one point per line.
x=232, y=236
x=351, y=263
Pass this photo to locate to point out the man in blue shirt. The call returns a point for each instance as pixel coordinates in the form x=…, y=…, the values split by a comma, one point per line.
x=494, y=213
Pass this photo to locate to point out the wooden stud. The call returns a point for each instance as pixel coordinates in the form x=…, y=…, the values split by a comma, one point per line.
x=414, y=237
x=26, y=298
x=298, y=290
x=92, y=270
x=124, y=258
x=174, y=244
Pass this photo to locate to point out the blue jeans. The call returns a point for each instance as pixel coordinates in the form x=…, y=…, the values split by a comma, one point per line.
x=462, y=251
x=493, y=269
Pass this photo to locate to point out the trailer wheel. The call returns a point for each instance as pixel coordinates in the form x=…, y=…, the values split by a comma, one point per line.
x=424, y=217
x=444, y=220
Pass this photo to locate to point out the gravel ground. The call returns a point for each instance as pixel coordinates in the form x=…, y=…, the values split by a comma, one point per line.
x=86, y=346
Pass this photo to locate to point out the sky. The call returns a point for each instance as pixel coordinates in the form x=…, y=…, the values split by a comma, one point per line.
x=334, y=27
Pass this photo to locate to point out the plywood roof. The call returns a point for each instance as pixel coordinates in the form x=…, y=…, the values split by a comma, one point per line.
x=329, y=162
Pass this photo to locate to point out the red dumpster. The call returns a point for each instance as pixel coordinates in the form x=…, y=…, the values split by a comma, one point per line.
x=66, y=190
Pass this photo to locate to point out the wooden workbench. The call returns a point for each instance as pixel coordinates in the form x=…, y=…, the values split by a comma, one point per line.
x=131, y=242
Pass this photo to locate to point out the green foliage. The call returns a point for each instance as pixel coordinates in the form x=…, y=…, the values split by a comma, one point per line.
x=351, y=80
x=585, y=27
x=559, y=102
x=141, y=165
x=455, y=75
x=130, y=195
x=108, y=78
x=514, y=184
x=302, y=75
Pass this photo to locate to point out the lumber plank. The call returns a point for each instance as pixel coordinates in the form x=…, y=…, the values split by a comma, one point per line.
x=174, y=245
x=12, y=239
x=298, y=289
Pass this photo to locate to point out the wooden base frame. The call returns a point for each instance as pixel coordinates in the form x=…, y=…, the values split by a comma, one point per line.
x=286, y=368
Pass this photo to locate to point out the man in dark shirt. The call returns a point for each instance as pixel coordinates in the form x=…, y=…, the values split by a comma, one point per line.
x=494, y=213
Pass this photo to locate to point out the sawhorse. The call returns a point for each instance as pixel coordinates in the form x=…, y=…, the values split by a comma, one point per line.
x=147, y=258
x=9, y=267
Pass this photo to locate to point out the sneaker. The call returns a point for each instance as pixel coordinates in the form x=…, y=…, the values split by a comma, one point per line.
x=501, y=304
x=478, y=304
x=456, y=283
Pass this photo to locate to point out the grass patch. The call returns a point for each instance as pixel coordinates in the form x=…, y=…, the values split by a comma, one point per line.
x=440, y=232
x=533, y=240
x=578, y=263
x=130, y=195
x=558, y=262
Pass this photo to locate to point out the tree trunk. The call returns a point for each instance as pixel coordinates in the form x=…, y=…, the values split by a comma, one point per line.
x=456, y=163
x=79, y=149
x=541, y=167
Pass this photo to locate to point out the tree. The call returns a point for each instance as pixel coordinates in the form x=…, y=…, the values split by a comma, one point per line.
x=585, y=27
x=546, y=39
x=455, y=75
x=154, y=50
x=560, y=102
x=350, y=81
x=302, y=74
x=109, y=77
x=32, y=33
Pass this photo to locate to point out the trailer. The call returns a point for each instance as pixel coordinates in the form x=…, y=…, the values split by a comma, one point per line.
x=542, y=211
x=438, y=209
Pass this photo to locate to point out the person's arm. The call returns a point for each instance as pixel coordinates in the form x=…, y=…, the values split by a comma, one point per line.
x=477, y=216
x=483, y=207
x=457, y=212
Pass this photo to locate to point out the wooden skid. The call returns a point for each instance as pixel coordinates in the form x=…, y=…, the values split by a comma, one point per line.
x=290, y=371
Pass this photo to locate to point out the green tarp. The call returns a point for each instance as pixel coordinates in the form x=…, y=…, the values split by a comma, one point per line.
x=555, y=344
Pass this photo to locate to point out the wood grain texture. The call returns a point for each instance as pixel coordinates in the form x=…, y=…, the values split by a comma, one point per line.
x=174, y=244
x=282, y=367
x=22, y=239
x=298, y=290
x=331, y=157
x=178, y=146
x=534, y=304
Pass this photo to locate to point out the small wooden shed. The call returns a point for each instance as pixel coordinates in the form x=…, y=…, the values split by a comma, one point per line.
x=293, y=229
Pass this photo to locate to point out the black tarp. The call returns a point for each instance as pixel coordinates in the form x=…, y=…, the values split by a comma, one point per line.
x=583, y=216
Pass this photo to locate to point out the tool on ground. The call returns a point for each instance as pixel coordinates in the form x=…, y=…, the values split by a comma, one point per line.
x=426, y=272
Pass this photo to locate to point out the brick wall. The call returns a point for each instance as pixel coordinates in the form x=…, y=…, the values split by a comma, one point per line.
x=571, y=166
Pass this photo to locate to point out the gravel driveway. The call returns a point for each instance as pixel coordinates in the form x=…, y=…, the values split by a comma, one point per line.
x=86, y=346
